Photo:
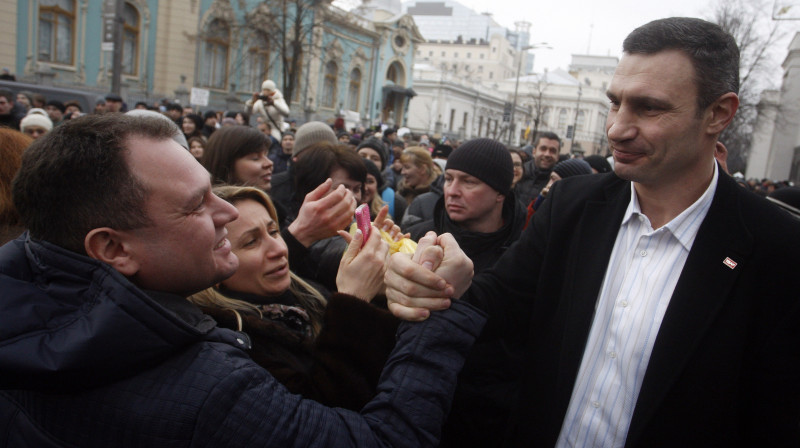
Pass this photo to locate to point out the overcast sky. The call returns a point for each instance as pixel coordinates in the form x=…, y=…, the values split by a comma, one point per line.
x=599, y=26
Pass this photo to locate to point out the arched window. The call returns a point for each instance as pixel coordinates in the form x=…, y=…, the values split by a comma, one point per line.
x=394, y=74
x=562, y=120
x=581, y=120
x=354, y=92
x=256, y=62
x=56, y=31
x=329, y=85
x=214, y=71
x=130, y=40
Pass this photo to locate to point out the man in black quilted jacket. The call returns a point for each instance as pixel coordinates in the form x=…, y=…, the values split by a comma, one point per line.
x=99, y=348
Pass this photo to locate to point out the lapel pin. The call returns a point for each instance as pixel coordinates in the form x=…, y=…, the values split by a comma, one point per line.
x=729, y=263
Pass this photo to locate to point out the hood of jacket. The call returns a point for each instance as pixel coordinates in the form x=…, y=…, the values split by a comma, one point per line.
x=68, y=321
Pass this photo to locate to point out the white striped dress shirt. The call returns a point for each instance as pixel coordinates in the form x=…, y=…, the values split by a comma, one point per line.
x=642, y=273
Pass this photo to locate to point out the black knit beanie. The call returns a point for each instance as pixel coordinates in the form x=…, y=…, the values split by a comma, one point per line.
x=572, y=167
x=376, y=173
x=378, y=146
x=486, y=159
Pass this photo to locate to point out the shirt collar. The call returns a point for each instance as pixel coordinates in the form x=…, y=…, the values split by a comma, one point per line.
x=684, y=226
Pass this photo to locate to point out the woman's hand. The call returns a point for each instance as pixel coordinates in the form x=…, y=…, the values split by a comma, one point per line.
x=362, y=269
x=387, y=225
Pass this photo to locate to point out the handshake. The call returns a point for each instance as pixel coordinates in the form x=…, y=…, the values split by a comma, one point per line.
x=427, y=281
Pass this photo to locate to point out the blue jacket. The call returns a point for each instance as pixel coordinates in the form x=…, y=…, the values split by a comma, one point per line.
x=88, y=359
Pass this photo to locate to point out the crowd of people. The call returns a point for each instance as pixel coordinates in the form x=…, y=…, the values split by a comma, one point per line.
x=173, y=276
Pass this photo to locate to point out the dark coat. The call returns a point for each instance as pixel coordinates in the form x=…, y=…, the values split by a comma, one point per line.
x=531, y=183
x=725, y=367
x=421, y=208
x=489, y=383
x=338, y=369
x=88, y=359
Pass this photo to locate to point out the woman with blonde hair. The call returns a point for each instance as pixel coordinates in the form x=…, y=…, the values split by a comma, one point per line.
x=418, y=173
x=330, y=348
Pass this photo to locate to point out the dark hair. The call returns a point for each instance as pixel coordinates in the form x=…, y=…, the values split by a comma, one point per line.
x=73, y=103
x=315, y=164
x=174, y=106
x=58, y=105
x=227, y=145
x=548, y=135
x=198, y=124
x=76, y=178
x=712, y=51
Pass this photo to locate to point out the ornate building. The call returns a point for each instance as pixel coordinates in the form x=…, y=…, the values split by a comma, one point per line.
x=355, y=65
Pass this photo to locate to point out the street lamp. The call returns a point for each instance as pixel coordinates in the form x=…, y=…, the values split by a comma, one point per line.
x=516, y=86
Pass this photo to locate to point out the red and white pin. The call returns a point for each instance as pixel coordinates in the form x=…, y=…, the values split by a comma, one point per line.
x=729, y=263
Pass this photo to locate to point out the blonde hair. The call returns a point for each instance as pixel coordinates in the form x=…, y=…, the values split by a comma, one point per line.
x=311, y=300
x=421, y=157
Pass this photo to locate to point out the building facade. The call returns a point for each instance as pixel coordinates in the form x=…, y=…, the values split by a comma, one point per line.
x=358, y=66
x=775, y=148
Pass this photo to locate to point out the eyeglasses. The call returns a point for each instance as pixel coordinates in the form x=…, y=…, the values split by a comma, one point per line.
x=517, y=164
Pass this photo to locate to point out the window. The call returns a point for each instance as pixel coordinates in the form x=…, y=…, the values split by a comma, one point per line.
x=430, y=53
x=130, y=40
x=444, y=53
x=469, y=55
x=455, y=55
x=256, y=62
x=464, y=123
x=562, y=120
x=491, y=75
x=452, y=118
x=494, y=49
x=480, y=69
x=354, y=91
x=581, y=120
x=480, y=126
x=214, y=71
x=329, y=85
x=481, y=56
x=56, y=31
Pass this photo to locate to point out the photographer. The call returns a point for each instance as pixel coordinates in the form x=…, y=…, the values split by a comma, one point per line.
x=269, y=103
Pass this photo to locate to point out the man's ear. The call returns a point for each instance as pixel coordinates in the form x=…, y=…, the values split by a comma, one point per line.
x=109, y=246
x=501, y=198
x=722, y=112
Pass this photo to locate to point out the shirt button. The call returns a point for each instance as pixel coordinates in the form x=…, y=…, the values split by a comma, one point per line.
x=643, y=253
x=596, y=404
x=612, y=355
x=623, y=304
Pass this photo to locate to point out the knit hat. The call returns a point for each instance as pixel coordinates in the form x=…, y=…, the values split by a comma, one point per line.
x=442, y=151
x=310, y=133
x=58, y=105
x=598, y=162
x=36, y=117
x=572, y=167
x=378, y=146
x=268, y=85
x=376, y=173
x=486, y=159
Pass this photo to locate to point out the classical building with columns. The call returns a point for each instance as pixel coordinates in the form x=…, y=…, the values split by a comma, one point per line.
x=356, y=65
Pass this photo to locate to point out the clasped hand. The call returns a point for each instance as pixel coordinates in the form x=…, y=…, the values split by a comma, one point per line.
x=438, y=271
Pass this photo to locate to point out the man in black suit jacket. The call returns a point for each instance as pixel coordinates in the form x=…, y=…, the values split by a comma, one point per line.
x=720, y=363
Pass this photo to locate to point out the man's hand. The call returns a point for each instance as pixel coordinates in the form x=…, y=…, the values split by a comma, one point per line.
x=416, y=285
x=323, y=213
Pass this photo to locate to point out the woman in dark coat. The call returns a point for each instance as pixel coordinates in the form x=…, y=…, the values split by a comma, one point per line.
x=327, y=348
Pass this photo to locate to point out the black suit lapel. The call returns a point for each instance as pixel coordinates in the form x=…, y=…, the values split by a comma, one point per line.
x=593, y=242
x=701, y=291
